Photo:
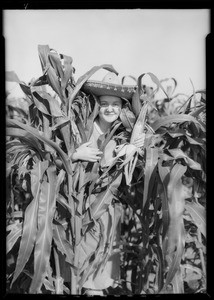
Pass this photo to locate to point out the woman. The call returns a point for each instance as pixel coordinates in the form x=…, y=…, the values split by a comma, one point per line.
x=111, y=96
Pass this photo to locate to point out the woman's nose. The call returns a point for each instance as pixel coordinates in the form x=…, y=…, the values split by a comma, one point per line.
x=109, y=108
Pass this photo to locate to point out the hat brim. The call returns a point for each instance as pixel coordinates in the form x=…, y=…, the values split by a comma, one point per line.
x=99, y=88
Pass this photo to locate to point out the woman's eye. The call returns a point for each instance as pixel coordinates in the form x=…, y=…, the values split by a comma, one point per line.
x=103, y=104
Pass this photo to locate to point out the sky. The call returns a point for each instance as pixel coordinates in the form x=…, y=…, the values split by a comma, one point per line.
x=167, y=42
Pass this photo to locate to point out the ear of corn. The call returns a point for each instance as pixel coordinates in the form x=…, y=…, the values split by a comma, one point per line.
x=140, y=123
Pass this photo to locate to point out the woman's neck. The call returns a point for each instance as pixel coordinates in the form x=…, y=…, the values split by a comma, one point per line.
x=104, y=126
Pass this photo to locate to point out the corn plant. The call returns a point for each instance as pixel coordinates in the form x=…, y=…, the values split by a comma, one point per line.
x=167, y=207
x=53, y=203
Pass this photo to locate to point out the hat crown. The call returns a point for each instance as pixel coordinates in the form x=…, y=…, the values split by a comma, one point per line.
x=112, y=78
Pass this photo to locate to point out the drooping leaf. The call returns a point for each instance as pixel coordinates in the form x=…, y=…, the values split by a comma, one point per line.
x=46, y=209
x=170, y=88
x=34, y=132
x=157, y=82
x=178, y=153
x=30, y=219
x=168, y=120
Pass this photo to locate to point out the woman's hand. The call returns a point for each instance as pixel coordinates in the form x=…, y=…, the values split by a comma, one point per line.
x=86, y=153
x=139, y=141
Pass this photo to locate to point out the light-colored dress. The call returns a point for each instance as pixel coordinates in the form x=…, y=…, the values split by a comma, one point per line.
x=109, y=274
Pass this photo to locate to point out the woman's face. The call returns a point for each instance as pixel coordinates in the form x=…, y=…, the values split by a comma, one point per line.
x=110, y=108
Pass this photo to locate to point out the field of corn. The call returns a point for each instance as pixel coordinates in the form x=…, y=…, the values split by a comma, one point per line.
x=51, y=202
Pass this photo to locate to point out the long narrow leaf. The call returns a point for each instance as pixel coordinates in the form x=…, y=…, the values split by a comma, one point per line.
x=164, y=175
x=151, y=163
x=30, y=219
x=44, y=236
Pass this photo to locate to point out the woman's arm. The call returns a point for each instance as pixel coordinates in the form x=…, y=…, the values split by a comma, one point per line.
x=86, y=153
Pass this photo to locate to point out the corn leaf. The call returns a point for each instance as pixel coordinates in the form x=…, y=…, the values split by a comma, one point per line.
x=52, y=78
x=178, y=153
x=151, y=163
x=14, y=235
x=30, y=219
x=34, y=132
x=175, y=187
x=43, y=50
x=164, y=176
x=67, y=70
x=157, y=82
x=175, y=234
x=168, y=120
x=62, y=243
x=102, y=201
x=47, y=104
x=46, y=209
x=127, y=118
x=170, y=88
x=12, y=76
x=56, y=64
x=198, y=214
x=90, y=120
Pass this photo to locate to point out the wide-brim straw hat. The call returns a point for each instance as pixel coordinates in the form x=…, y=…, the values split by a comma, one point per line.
x=109, y=86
